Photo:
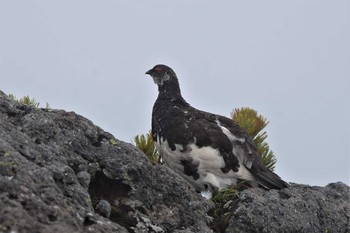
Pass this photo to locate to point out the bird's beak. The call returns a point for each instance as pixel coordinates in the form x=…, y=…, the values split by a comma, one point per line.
x=149, y=72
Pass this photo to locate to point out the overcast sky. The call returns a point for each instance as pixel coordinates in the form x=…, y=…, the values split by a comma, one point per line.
x=289, y=60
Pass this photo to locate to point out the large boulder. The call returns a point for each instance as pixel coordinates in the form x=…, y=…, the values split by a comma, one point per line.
x=61, y=173
x=300, y=208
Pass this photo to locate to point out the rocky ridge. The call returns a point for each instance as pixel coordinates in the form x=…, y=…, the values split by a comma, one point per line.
x=61, y=173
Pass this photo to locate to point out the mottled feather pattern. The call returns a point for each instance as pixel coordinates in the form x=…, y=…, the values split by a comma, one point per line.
x=209, y=151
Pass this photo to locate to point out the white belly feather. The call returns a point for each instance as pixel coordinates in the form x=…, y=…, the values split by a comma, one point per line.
x=209, y=169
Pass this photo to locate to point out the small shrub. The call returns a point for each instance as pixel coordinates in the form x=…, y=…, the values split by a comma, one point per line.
x=254, y=124
x=146, y=144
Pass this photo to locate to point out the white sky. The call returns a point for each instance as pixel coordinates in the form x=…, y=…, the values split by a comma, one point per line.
x=289, y=60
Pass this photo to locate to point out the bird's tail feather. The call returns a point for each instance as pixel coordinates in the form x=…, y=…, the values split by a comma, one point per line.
x=270, y=180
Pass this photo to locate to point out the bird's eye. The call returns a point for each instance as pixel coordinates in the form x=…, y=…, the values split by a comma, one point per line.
x=158, y=69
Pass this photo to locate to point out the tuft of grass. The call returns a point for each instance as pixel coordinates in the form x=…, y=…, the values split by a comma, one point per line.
x=47, y=106
x=112, y=142
x=11, y=96
x=224, y=195
x=26, y=100
x=146, y=144
x=229, y=193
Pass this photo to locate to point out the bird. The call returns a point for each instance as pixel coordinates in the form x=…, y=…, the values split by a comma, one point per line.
x=211, y=152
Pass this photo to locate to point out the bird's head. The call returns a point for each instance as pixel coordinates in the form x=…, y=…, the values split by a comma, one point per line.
x=162, y=75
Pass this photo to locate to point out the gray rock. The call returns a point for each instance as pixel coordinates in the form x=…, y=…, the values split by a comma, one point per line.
x=84, y=178
x=58, y=171
x=300, y=208
x=61, y=173
x=103, y=208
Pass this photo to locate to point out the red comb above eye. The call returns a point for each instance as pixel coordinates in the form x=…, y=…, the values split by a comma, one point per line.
x=157, y=69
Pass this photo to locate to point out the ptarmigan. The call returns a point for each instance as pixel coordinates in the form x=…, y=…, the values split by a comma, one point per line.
x=208, y=150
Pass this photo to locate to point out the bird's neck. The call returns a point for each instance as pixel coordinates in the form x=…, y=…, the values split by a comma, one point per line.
x=170, y=92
